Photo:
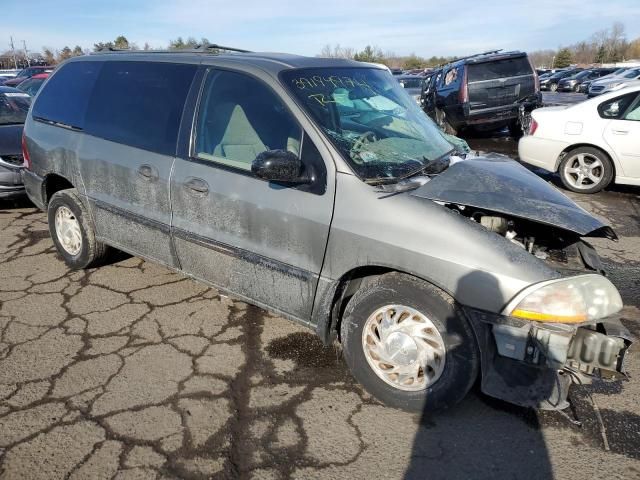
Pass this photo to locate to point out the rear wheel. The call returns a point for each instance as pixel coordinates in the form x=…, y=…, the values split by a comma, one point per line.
x=72, y=230
x=586, y=170
x=409, y=344
x=553, y=87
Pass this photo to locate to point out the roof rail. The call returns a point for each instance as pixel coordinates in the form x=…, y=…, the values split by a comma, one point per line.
x=214, y=46
x=210, y=48
x=488, y=52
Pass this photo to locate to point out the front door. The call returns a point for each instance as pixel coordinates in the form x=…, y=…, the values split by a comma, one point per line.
x=622, y=133
x=260, y=240
x=127, y=153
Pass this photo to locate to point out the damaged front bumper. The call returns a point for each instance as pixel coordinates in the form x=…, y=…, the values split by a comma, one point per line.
x=533, y=364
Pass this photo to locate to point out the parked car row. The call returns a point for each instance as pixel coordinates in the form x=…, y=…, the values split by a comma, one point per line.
x=25, y=74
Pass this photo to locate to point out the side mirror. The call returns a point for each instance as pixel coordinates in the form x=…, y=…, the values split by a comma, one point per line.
x=279, y=166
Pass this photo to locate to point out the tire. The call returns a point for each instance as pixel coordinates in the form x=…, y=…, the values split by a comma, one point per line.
x=571, y=161
x=68, y=205
x=461, y=356
x=576, y=89
x=443, y=123
x=553, y=87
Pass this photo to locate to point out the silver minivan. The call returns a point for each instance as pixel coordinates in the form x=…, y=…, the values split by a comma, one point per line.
x=318, y=189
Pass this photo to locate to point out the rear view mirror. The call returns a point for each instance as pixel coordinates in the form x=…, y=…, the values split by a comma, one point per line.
x=279, y=166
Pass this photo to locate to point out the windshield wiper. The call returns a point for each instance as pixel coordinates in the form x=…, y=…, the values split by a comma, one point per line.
x=432, y=167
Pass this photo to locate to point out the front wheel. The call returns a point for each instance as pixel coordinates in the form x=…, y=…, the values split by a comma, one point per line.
x=553, y=87
x=409, y=344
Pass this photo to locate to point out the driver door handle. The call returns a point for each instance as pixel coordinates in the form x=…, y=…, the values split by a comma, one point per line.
x=197, y=185
x=619, y=132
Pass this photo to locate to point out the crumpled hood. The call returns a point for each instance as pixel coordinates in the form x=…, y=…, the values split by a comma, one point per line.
x=499, y=184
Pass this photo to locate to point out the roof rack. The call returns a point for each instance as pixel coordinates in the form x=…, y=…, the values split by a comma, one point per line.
x=210, y=48
x=488, y=52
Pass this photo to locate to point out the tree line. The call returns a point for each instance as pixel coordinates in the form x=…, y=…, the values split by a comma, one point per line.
x=605, y=46
x=49, y=56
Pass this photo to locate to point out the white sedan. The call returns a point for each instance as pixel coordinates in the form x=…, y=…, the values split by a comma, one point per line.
x=589, y=144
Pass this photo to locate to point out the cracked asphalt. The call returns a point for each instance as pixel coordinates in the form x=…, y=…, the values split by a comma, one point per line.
x=131, y=371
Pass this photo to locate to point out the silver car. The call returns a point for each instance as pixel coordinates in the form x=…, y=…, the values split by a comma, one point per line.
x=318, y=189
x=612, y=84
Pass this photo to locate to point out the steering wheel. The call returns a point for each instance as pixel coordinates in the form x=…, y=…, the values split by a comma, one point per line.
x=361, y=141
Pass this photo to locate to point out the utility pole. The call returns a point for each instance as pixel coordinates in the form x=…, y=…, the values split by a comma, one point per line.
x=26, y=53
x=13, y=51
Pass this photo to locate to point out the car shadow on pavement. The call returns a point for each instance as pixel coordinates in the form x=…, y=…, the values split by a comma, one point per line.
x=480, y=438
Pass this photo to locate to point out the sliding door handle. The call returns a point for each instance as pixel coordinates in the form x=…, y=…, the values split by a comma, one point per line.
x=147, y=172
x=197, y=185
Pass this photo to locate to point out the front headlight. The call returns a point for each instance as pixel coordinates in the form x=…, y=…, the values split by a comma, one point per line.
x=566, y=300
x=615, y=86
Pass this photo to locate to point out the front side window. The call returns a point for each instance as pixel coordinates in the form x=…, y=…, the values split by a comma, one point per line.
x=13, y=108
x=633, y=113
x=376, y=126
x=140, y=104
x=240, y=117
x=616, y=107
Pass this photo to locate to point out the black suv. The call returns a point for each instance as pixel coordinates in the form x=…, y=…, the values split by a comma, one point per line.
x=484, y=90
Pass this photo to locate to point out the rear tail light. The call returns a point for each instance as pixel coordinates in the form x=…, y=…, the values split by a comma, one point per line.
x=533, y=126
x=25, y=153
x=463, y=93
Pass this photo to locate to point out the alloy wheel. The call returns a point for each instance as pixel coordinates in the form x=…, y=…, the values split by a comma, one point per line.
x=583, y=171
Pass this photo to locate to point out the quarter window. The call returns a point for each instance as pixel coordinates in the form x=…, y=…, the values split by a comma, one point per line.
x=240, y=117
x=65, y=97
x=140, y=104
x=616, y=107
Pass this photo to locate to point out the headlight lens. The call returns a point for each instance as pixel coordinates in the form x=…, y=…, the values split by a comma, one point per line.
x=615, y=86
x=569, y=300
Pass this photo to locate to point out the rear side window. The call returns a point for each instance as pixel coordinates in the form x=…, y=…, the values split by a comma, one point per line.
x=64, y=99
x=508, y=67
x=140, y=104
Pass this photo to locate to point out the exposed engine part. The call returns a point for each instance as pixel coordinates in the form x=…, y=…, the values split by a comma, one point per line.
x=563, y=250
x=498, y=225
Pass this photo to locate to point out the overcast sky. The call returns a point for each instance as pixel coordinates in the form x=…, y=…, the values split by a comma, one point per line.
x=304, y=26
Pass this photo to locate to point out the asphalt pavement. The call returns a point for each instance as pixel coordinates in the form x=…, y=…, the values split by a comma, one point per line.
x=131, y=371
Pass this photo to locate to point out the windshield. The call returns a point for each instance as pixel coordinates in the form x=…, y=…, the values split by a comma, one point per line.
x=411, y=82
x=31, y=86
x=582, y=75
x=14, y=107
x=632, y=74
x=378, y=128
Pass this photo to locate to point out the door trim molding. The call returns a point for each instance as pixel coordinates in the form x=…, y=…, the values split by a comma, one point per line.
x=243, y=254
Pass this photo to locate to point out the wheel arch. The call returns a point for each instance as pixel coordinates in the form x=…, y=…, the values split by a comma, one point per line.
x=329, y=309
x=53, y=183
